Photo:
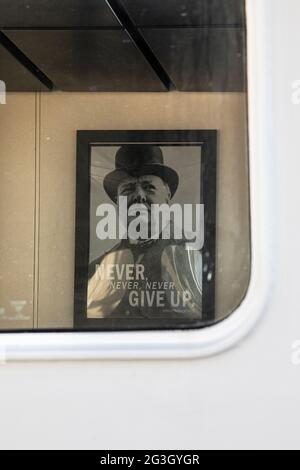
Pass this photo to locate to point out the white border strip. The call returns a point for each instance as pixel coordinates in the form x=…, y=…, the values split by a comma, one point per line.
x=212, y=340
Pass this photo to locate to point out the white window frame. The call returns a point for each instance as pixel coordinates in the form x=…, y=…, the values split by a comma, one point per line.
x=214, y=339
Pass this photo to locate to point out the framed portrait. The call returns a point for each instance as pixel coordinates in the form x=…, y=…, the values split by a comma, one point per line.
x=145, y=230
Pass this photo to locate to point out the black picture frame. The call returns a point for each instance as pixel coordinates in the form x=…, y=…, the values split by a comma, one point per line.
x=208, y=141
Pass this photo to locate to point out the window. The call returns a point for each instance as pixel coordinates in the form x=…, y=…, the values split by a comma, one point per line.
x=144, y=196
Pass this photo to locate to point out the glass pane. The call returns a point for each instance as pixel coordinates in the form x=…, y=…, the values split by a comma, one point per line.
x=139, y=200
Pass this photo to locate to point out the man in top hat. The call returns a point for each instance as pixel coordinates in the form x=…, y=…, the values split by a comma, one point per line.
x=145, y=278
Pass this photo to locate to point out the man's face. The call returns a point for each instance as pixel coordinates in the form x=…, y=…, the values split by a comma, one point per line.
x=145, y=190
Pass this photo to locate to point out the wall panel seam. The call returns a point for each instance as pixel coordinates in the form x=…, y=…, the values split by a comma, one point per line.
x=37, y=209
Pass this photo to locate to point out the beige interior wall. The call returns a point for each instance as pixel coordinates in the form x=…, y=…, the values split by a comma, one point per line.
x=17, y=211
x=59, y=116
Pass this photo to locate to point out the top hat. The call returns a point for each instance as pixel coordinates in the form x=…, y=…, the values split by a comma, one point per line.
x=139, y=160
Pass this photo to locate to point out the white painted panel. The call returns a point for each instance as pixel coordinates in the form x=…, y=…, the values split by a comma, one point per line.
x=245, y=398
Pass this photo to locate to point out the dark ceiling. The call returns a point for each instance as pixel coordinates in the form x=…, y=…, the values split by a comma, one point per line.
x=123, y=45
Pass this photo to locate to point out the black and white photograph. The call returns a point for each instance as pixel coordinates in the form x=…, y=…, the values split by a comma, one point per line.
x=149, y=192
x=146, y=229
